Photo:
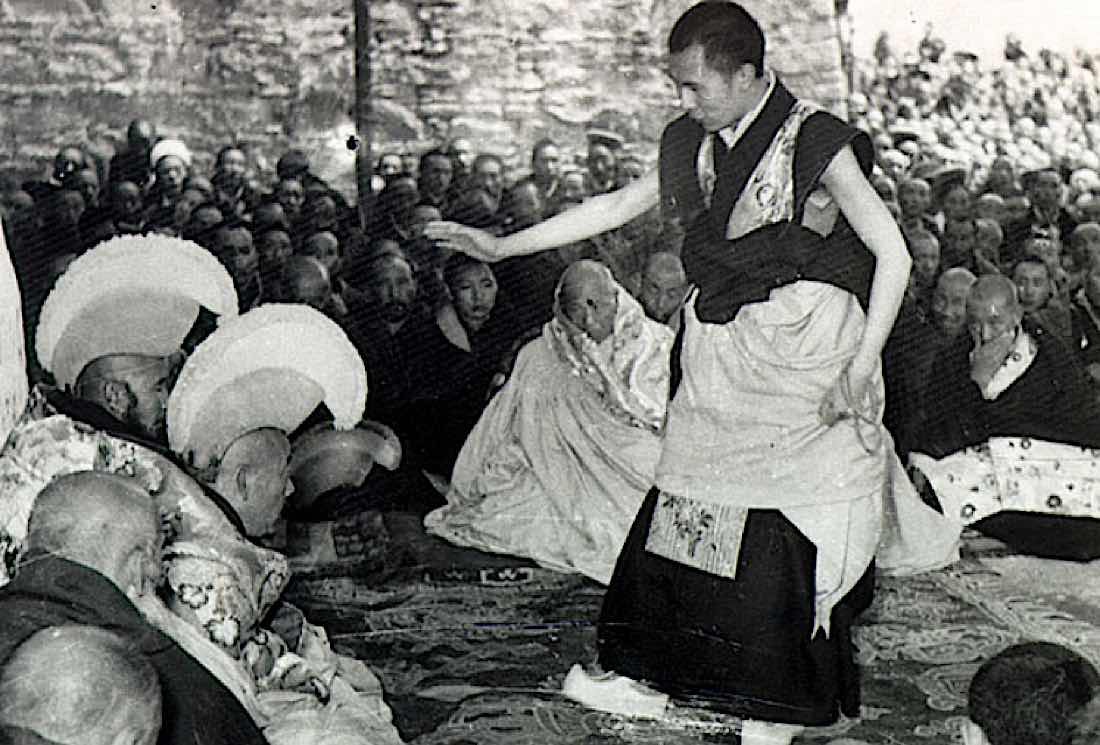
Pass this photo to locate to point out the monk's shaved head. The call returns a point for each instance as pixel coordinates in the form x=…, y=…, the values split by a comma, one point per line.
x=579, y=279
x=665, y=265
x=993, y=309
x=305, y=280
x=103, y=521
x=81, y=684
x=957, y=278
x=588, y=297
x=994, y=288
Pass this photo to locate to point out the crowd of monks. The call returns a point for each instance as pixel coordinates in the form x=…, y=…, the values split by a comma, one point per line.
x=196, y=342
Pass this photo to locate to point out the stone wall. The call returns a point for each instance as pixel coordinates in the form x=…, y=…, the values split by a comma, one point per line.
x=276, y=73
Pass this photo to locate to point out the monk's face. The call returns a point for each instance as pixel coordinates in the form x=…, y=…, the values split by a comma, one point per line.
x=240, y=254
x=389, y=166
x=393, y=289
x=474, y=293
x=290, y=195
x=171, y=172
x=274, y=247
x=489, y=175
x=232, y=166
x=661, y=293
x=926, y=262
x=150, y=382
x=594, y=307
x=326, y=249
x=436, y=175
x=1034, y=285
x=949, y=307
x=1046, y=193
x=267, y=484
x=913, y=198
x=126, y=199
x=573, y=187
x=956, y=204
x=991, y=319
x=712, y=98
x=546, y=163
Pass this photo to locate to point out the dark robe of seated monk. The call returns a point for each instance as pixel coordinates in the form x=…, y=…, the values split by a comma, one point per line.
x=50, y=591
x=1051, y=401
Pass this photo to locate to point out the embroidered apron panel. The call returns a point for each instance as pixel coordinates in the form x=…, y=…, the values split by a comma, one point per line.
x=697, y=534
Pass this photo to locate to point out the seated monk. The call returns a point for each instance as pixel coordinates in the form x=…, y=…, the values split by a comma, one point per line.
x=561, y=459
x=250, y=383
x=79, y=685
x=1008, y=437
x=477, y=334
x=92, y=557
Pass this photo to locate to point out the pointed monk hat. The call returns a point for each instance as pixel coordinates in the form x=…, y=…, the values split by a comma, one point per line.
x=268, y=368
x=129, y=295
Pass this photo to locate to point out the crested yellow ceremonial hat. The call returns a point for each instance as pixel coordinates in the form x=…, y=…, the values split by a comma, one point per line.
x=268, y=368
x=129, y=295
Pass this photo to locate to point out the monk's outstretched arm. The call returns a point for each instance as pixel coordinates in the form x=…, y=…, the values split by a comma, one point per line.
x=594, y=216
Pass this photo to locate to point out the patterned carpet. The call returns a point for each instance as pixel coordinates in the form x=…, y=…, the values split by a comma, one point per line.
x=474, y=655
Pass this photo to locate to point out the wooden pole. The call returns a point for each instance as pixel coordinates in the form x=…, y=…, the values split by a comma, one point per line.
x=364, y=160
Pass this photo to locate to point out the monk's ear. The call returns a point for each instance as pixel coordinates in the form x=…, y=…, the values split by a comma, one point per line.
x=243, y=482
x=117, y=398
x=746, y=74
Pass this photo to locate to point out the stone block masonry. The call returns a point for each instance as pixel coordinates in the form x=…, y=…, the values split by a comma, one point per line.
x=279, y=73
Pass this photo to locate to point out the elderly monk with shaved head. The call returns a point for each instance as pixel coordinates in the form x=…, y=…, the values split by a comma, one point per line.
x=1008, y=377
x=92, y=552
x=1012, y=430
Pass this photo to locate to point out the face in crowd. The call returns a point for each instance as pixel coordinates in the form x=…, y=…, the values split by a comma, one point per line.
x=474, y=293
x=393, y=288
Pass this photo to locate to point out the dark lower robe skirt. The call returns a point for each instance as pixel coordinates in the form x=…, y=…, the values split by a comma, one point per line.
x=740, y=646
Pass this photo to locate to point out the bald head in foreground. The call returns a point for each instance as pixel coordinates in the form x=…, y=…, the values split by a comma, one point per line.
x=92, y=550
x=102, y=521
x=79, y=685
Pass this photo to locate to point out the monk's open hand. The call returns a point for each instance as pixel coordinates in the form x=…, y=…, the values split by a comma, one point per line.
x=470, y=241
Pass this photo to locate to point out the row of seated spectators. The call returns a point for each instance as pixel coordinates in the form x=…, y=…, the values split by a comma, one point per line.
x=434, y=330
x=987, y=171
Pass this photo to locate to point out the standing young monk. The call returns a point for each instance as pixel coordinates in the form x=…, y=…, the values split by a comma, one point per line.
x=751, y=556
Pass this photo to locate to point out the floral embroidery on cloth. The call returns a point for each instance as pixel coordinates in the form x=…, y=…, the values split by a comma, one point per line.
x=40, y=450
x=225, y=584
x=697, y=534
x=1015, y=473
